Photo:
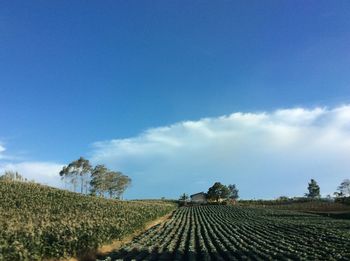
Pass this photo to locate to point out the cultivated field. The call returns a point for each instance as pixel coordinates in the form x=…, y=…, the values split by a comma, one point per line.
x=237, y=233
x=39, y=222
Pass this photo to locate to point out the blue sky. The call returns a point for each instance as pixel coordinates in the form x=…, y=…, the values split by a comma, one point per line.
x=73, y=74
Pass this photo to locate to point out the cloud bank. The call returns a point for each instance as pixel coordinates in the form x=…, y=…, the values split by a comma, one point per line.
x=42, y=172
x=267, y=154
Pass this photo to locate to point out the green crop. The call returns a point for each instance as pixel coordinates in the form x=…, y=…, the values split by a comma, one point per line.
x=38, y=222
x=236, y=233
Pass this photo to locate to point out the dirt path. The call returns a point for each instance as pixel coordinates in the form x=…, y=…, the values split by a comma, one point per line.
x=117, y=244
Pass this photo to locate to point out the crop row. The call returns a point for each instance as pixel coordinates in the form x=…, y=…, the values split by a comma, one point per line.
x=236, y=233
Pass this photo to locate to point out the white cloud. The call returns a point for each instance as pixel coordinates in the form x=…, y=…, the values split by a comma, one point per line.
x=267, y=154
x=2, y=149
x=42, y=172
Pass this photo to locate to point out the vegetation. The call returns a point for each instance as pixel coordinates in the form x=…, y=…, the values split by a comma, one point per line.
x=216, y=232
x=344, y=189
x=184, y=197
x=104, y=181
x=76, y=171
x=343, y=200
x=219, y=192
x=12, y=176
x=233, y=192
x=299, y=204
x=40, y=222
x=314, y=190
x=98, y=180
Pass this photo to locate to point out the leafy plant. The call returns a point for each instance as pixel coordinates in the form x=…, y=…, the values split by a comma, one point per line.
x=38, y=222
x=216, y=232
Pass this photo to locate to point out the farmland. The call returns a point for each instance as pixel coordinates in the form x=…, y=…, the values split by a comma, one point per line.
x=38, y=222
x=217, y=232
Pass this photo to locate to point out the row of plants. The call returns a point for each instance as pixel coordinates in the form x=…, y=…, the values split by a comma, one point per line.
x=216, y=232
x=301, y=204
x=40, y=222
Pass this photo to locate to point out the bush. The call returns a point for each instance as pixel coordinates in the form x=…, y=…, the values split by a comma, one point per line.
x=343, y=200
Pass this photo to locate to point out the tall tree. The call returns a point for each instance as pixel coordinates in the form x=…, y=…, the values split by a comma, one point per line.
x=122, y=184
x=77, y=170
x=111, y=181
x=344, y=188
x=97, y=183
x=104, y=181
x=233, y=191
x=218, y=191
x=184, y=197
x=116, y=183
x=69, y=176
x=314, y=189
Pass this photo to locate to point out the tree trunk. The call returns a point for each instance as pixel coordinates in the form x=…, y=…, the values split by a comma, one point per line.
x=82, y=185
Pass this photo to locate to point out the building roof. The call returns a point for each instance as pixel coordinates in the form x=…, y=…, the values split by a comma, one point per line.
x=197, y=194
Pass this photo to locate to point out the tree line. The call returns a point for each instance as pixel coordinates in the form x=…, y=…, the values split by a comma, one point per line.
x=97, y=180
x=219, y=192
x=314, y=189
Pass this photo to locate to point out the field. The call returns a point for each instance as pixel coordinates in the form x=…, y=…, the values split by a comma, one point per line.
x=38, y=222
x=302, y=204
x=240, y=233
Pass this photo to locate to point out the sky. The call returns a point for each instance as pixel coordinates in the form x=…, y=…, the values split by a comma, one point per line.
x=178, y=94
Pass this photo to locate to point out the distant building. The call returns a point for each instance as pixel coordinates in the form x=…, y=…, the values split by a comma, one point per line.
x=199, y=198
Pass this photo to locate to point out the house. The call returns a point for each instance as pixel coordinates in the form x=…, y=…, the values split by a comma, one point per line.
x=199, y=198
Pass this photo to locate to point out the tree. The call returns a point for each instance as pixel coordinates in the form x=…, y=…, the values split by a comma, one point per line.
x=282, y=198
x=218, y=191
x=314, y=190
x=75, y=171
x=344, y=188
x=116, y=183
x=233, y=192
x=104, y=181
x=184, y=197
x=123, y=183
x=111, y=180
x=97, y=183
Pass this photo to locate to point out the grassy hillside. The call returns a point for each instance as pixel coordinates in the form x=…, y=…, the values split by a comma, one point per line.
x=41, y=222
